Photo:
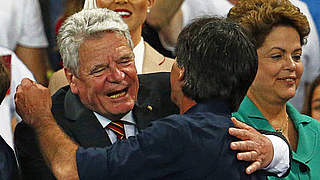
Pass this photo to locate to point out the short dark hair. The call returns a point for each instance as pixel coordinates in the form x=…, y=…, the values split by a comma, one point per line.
x=219, y=59
x=4, y=81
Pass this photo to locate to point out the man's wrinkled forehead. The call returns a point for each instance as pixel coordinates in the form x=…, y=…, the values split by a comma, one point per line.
x=109, y=45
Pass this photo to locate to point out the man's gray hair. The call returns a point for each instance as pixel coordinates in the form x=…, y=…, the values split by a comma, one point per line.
x=82, y=25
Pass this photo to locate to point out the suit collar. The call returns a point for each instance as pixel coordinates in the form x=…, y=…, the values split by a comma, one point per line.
x=80, y=122
x=215, y=106
x=307, y=135
x=74, y=109
x=250, y=109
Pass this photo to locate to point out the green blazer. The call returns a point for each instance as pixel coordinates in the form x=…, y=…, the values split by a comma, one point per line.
x=306, y=160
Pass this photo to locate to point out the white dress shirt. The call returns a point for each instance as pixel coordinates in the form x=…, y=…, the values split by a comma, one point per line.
x=138, y=52
x=129, y=127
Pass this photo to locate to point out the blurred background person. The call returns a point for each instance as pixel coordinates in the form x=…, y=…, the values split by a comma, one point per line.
x=279, y=30
x=59, y=11
x=22, y=31
x=164, y=16
x=312, y=103
x=8, y=164
x=314, y=6
x=9, y=117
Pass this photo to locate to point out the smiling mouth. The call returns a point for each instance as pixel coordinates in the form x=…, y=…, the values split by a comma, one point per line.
x=123, y=13
x=118, y=94
x=287, y=79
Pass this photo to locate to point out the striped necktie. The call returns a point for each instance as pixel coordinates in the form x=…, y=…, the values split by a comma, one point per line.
x=118, y=128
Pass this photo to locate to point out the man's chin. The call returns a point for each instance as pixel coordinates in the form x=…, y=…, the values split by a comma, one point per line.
x=122, y=109
x=116, y=114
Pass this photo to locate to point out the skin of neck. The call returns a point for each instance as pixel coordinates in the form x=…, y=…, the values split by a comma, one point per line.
x=185, y=104
x=272, y=111
x=136, y=35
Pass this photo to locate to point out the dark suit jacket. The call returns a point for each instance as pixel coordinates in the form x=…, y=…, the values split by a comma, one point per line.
x=83, y=127
x=8, y=164
x=195, y=145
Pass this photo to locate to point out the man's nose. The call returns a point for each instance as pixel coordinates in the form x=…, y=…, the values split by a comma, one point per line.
x=116, y=75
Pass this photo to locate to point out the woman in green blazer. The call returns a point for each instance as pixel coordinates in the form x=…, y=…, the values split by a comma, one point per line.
x=278, y=30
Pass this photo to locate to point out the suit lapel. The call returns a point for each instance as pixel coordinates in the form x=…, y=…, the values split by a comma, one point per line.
x=81, y=124
x=153, y=99
x=154, y=61
x=307, y=142
x=143, y=116
x=89, y=132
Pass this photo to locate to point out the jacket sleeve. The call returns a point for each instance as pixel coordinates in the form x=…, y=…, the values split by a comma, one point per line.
x=277, y=134
x=29, y=156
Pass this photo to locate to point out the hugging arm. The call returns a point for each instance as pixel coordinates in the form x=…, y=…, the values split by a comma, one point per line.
x=266, y=150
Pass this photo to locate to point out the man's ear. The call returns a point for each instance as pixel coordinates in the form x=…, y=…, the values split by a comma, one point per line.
x=72, y=80
x=181, y=74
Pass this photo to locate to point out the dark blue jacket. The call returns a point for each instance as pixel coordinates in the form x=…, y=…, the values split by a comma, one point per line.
x=190, y=146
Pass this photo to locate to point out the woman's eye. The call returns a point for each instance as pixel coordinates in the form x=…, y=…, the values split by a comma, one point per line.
x=296, y=57
x=276, y=57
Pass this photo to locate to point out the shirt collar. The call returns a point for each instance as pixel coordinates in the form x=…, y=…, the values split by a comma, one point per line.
x=139, y=55
x=128, y=118
x=296, y=115
x=252, y=111
x=249, y=108
x=216, y=106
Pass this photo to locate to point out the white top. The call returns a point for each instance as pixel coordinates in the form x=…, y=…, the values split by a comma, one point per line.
x=90, y=4
x=192, y=9
x=281, y=161
x=21, y=23
x=7, y=108
x=138, y=52
x=129, y=128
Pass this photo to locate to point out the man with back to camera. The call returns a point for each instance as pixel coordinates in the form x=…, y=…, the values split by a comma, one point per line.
x=146, y=155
